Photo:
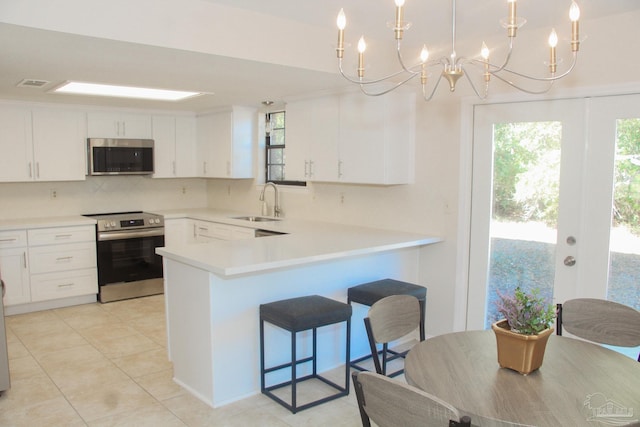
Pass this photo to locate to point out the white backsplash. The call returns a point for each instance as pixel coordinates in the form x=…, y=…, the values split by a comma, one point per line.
x=99, y=194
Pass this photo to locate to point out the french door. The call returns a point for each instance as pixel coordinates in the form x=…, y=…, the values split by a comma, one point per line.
x=546, y=177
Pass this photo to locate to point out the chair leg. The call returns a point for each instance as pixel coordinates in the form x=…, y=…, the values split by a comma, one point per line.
x=423, y=305
x=262, y=373
x=558, y=319
x=294, y=364
x=360, y=397
x=372, y=345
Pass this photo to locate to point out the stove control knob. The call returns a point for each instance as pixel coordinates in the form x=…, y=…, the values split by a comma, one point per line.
x=113, y=224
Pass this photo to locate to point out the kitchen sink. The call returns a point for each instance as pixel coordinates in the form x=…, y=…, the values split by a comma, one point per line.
x=255, y=218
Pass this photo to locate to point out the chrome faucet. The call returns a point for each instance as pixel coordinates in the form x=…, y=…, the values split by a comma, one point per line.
x=276, y=205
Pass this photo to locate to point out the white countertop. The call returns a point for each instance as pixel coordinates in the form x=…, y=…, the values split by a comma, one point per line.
x=45, y=222
x=306, y=242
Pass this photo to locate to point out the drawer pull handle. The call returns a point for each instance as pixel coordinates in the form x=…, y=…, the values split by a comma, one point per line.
x=65, y=259
x=65, y=285
x=63, y=236
x=12, y=239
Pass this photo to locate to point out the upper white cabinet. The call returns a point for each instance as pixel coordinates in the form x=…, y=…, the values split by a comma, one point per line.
x=175, y=147
x=59, y=145
x=16, y=149
x=377, y=138
x=225, y=143
x=41, y=144
x=312, y=138
x=352, y=139
x=118, y=125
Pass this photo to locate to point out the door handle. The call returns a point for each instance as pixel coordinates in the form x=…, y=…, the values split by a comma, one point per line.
x=569, y=261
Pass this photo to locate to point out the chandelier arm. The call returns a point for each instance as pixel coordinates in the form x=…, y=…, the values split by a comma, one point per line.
x=367, y=82
x=477, y=62
x=520, y=88
x=424, y=93
x=394, y=87
x=473, y=86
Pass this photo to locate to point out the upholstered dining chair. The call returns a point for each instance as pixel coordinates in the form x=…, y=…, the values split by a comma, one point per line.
x=391, y=403
x=390, y=319
x=600, y=321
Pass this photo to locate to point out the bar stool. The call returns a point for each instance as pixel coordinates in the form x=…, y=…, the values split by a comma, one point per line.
x=370, y=293
x=296, y=315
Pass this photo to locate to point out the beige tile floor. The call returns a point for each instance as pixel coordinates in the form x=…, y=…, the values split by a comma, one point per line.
x=106, y=365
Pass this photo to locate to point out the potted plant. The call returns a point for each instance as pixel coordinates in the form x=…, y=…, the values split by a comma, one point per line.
x=522, y=335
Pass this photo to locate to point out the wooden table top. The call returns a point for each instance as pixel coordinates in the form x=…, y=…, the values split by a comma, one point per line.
x=579, y=383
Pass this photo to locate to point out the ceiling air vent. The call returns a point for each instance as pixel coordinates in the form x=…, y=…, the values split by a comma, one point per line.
x=32, y=83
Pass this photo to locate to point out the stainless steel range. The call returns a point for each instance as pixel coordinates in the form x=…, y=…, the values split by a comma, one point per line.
x=128, y=266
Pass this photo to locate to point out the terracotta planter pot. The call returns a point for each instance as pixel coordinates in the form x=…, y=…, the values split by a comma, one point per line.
x=522, y=353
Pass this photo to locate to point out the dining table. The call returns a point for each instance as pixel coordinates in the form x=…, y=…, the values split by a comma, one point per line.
x=579, y=383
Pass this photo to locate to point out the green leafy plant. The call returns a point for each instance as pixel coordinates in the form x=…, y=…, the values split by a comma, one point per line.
x=526, y=313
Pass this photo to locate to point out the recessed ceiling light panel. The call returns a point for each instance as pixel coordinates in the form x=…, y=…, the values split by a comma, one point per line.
x=97, y=89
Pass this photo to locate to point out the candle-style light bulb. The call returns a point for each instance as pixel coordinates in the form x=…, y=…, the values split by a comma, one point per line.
x=399, y=19
x=484, y=52
x=424, y=54
x=342, y=23
x=512, y=19
x=574, y=16
x=362, y=46
x=553, y=42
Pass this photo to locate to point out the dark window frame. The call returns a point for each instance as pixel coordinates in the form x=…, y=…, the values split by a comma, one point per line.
x=269, y=147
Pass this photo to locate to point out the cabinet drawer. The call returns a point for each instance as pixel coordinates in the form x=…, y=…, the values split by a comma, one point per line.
x=13, y=239
x=74, y=256
x=52, y=236
x=64, y=284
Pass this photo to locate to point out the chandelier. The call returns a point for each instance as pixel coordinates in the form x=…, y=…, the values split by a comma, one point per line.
x=453, y=67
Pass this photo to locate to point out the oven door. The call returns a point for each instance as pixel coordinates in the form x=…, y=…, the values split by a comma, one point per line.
x=129, y=256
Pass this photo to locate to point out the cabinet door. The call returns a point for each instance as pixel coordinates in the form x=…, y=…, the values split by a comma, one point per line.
x=312, y=136
x=164, y=149
x=243, y=124
x=115, y=125
x=175, y=231
x=377, y=139
x=59, y=145
x=16, y=153
x=297, y=140
x=205, y=133
x=13, y=265
x=325, y=136
x=186, y=147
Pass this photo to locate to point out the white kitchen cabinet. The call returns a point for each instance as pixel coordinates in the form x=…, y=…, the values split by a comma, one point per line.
x=225, y=143
x=377, y=138
x=16, y=144
x=176, y=231
x=352, y=138
x=206, y=231
x=175, y=147
x=13, y=266
x=41, y=145
x=312, y=137
x=62, y=262
x=118, y=125
x=59, y=145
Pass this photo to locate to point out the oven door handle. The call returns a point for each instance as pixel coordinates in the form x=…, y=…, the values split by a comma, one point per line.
x=130, y=234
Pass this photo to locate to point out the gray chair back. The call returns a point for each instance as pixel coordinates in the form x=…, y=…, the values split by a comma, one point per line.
x=601, y=321
x=394, y=317
x=391, y=403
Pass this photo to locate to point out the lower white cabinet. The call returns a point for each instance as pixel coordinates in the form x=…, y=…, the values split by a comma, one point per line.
x=48, y=263
x=14, y=268
x=205, y=231
x=63, y=284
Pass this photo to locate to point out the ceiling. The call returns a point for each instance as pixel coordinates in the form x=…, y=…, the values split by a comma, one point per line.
x=30, y=51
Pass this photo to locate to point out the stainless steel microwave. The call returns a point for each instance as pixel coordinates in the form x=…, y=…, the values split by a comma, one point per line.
x=119, y=156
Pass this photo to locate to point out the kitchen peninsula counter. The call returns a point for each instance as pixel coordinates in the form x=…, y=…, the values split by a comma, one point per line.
x=213, y=292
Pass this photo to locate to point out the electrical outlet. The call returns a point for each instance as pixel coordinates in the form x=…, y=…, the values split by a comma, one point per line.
x=342, y=198
x=53, y=193
x=184, y=190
